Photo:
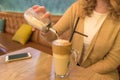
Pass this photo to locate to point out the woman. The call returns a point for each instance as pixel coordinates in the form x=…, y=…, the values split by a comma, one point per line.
x=99, y=53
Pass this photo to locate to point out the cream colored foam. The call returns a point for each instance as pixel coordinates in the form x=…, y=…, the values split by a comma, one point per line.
x=61, y=42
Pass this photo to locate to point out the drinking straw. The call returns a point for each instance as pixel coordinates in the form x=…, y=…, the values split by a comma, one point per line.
x=76, y=23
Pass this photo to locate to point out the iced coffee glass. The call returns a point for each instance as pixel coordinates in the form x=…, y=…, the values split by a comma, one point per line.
x=61, y=56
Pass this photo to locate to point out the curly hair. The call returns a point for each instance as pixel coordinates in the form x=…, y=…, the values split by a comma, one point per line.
x=114, y=8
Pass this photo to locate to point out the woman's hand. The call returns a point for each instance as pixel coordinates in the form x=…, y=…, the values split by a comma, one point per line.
x=46, y=18
x=42, y=14
x=42, y=11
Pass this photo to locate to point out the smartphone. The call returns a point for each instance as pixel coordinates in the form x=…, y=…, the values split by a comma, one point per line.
x=19, y=56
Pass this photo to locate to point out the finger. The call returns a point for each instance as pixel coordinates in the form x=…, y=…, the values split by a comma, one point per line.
x=33, y=29
x=46, y=15
x=38, y=9
x=35, y=6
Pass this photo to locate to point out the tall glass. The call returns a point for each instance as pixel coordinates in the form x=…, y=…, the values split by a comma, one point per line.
x=61, y=55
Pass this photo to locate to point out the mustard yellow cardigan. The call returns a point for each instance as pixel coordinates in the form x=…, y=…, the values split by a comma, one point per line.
x=103, y=54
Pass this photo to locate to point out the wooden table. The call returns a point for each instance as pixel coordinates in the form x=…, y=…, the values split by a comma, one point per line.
x=39, y=67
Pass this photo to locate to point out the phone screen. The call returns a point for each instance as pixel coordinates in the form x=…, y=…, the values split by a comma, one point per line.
x=17, y=56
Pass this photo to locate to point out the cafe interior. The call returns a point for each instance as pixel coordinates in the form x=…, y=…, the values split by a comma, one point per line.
x=17, y=37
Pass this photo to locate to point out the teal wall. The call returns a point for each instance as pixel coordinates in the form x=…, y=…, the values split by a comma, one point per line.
x=54, y=6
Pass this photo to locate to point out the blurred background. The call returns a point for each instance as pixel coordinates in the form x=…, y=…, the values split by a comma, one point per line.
x=56, y=7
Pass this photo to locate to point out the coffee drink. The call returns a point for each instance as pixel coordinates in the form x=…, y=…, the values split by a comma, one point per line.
x=61, y=55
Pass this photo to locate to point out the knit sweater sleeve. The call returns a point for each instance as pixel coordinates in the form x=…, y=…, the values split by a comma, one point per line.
x=67, y=20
